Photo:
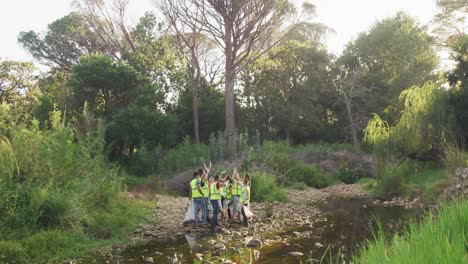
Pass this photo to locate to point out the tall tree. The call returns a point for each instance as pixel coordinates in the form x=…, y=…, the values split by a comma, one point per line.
x=65, y=40
x=395, y=54
x=243, y=29
x=201, y=59
x=18, y=92
x=450, y=22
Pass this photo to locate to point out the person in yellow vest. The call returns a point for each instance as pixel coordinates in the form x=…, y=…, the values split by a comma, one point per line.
x=215, y=197
x=236, y=192
x=197, y=196
x=226, y=197
x=205, y=185
x=245, y=198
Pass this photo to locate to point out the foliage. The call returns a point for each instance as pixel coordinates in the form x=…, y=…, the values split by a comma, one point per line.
x=348, y=175
x=54, y=186
x=391, y=177
x=65, y=41
x=437, y=239
x=385, y=59
x=276, y=157
x=421, y=126
x=265, y=188
x=210, y=111
x=458, y=79
x=287, y=92
x=105, y=84
x=185, y=155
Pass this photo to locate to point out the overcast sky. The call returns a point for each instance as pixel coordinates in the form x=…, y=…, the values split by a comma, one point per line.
x=346, y=17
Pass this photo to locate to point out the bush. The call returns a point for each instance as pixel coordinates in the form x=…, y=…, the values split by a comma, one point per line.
x=391, y=177
x=311, y=175
x=348, y=175
x=58, y=193
x=184, y=156
x=265, y=189
x=435, y=240
x=12, y=252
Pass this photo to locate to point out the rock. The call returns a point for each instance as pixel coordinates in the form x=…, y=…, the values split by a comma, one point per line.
x=148, y=233
x=149, y=260
x=296, y=254
x=318, y=245
x=225, y=231
x=220, y=246
x=253, y=243
x=199, y=256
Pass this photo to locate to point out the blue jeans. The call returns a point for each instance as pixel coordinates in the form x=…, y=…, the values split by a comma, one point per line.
x=197, y=204
x=235, y=202
x=214, y=220
x=207, y=213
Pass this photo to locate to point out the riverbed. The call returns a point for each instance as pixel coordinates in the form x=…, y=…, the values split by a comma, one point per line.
x=342, y=227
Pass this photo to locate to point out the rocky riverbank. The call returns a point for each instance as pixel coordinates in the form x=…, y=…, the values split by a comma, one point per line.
x=165, y=223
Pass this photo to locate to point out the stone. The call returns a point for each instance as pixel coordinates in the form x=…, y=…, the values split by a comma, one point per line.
x=148, y=233
x=318, y=245
x=296, y=254
x=149, y=260
x=225, y=231
x=254, y=243
x=219, y=246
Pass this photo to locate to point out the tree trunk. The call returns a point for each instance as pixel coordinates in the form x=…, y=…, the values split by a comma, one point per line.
x=351, y=123
x=230, y=114
x=230, y=76
x=196, y=129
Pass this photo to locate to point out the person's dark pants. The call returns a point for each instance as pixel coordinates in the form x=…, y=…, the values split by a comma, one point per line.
x=214, y=219
x=245, y=221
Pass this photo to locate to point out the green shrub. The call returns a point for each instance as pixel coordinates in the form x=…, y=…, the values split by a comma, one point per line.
x=184, y=156
x=265, y=189
x=440, y=239
x=311, y=175
x=12, y=252
x=348, y=175
x=391, y=177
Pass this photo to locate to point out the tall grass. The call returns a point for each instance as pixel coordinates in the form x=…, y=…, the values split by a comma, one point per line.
x=276, y=157
x=440, y=239
x=265, y=188
x=52, y=181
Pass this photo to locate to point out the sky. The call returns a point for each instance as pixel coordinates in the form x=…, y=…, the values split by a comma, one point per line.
x=346, y=17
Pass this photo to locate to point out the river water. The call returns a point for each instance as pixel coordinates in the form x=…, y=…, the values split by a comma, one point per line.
x=347, y=224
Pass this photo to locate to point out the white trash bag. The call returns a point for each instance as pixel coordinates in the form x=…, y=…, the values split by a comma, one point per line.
x=247, y=212
x=189, y=216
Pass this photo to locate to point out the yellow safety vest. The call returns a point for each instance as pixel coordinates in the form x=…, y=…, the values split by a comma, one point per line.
x=195, y=192
x=226, y=191
x=236, y=190
x=206, y=190
x=215, y=193
x=247, y=199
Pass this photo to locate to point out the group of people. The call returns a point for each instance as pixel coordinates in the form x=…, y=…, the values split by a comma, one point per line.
x=229, y=195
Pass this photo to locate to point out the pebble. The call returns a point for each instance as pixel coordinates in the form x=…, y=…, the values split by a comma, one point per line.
x=318, y=245
x=220, y=246
x=296, y=254
x=254, y=243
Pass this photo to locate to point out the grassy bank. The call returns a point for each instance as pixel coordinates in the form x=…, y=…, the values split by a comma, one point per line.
x=440, y=239
x=60, y=197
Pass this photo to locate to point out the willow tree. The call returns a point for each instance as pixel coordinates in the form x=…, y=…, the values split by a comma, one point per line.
x=243, y=30
x=421, y=128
